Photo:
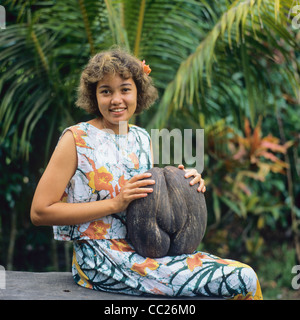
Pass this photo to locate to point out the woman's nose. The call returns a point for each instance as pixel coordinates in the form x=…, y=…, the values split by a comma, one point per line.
x=116, y=98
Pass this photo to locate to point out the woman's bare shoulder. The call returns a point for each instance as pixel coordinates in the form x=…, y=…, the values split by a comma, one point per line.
x=65, y=151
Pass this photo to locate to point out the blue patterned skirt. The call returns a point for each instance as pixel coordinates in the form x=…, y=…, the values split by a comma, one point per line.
x=113, y=266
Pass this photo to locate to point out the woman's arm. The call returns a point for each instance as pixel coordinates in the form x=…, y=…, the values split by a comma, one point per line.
x=47, y=209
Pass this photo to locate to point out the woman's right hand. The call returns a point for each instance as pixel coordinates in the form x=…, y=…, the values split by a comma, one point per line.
x=133, y=189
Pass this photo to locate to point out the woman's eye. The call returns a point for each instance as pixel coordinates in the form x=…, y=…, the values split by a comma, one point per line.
x=106, y=91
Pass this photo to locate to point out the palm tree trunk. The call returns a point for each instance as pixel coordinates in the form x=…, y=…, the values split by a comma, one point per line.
x=87, y=26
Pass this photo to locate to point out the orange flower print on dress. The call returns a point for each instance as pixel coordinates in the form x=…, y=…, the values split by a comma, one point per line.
x=157, y=291
x=194, y=261
x=134, y=160
x=121, y=183
x=78, y=136
x=141, y=267
x=96, y=230
x=120, y=245
x=99, y=179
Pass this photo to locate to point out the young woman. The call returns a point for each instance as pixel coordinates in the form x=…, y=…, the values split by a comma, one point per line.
x=96, y=171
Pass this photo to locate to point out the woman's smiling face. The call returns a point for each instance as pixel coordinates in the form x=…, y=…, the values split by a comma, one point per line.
x=117, y=99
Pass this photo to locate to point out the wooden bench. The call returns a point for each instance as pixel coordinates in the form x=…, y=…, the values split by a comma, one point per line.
x=21, y=285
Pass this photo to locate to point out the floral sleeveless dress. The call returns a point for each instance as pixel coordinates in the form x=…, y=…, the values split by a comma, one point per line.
x=104, y=259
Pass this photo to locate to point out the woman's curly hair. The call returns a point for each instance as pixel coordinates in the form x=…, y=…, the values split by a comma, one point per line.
x=115, y=61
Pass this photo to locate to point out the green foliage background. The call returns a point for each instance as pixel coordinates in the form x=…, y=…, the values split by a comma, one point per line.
x=217, y=64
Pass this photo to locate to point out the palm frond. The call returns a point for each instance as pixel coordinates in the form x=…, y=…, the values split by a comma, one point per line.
x=207, y=58
x=31, y=81
x=116, y=21
x=243, y=21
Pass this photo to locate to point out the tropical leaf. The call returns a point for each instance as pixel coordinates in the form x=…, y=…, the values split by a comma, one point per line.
x=40, y=70
x=207, y=59
x=251, y=23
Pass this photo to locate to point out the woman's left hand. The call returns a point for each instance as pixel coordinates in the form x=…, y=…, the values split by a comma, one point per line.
x=198, y=178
